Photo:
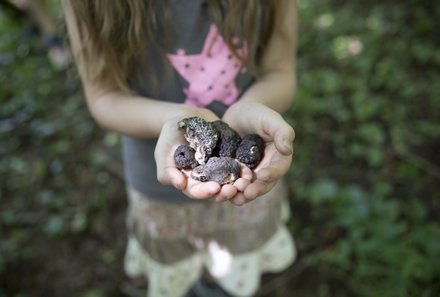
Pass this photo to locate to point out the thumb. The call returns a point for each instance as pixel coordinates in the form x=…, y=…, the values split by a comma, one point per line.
x=283, y=138
x=276, y=129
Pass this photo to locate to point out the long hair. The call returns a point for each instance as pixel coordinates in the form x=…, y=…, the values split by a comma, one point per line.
x=111, y=34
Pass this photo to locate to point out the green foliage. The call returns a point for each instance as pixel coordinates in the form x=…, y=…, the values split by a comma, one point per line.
x=51, y=184
x=366, y=171
x=364, y=185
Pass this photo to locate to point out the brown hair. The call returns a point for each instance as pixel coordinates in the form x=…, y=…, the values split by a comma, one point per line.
x=113, y=33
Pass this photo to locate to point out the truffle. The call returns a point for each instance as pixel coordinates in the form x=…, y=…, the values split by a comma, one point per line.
x=184, y=157
x=201, y=135
x=228, y=140
x=251, y=150
x=212, y=148
x=223, y=170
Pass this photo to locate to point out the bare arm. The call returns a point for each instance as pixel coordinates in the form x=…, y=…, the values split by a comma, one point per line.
x=259, y=110
x=121, y=112
x=144, y=118
x=277, y=85
x=133, y=115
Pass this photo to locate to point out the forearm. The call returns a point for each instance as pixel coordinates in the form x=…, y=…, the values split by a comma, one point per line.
x=144, y=117
x=131, y=115
x=134, y=115
x=277, y=85
x=274, y=90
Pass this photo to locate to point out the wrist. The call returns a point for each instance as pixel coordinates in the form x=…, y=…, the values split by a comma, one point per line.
x=244, y=114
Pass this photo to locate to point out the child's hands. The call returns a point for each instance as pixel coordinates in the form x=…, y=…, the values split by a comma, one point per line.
x=247, y=118
x=167, y=173
x=225, y=192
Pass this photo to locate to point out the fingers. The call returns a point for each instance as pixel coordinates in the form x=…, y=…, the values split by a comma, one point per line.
x=246, y=172
x=256, y=189
x=226, y=193
x=273, y=165
x=263, y=121
x=230, y=191
x=283, y=139
x=278, y=130
x=173, y=176
x=167, y=173
x=266, y=178
x=283, y=135
x=248, y=191
x=202, y=190
x=251, y=191
x=269, y=174
x=241, y=184
x=238, y=199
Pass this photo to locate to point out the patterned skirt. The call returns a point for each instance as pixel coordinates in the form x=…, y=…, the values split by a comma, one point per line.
x=172, y=244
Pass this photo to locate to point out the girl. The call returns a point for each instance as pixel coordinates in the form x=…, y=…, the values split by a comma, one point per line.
x=147, y=64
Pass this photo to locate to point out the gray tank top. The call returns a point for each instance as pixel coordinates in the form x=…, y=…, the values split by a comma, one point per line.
x=205, y=74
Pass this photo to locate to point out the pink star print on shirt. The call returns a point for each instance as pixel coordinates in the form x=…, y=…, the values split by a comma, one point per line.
x=210, y=74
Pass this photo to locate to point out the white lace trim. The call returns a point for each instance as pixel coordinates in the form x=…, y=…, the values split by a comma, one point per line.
x=239, y=275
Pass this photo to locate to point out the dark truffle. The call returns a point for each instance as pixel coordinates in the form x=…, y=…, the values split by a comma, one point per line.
x=223, y=170
x=228, y=140
x=184, y=157
x=201, y=135
x=213, y=145
x=251, y=150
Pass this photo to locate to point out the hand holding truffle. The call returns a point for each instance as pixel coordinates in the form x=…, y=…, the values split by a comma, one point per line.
x=212, y=148
x=170, y=138
x=278, y=136
x=209, y=159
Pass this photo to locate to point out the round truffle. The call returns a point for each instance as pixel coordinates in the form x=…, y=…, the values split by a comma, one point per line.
x=223, y=170
x=228, y=140
x=184, y=157
x=251, y=150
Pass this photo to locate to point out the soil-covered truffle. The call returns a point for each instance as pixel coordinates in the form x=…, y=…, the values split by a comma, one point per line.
x=184, y=157
x=214, y=145
x=201, y=135
x=223, y=170
x=251, y=150
x=228, y=140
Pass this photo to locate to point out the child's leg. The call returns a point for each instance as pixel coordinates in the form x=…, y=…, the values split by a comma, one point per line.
x=236, y=244
x=168, y=261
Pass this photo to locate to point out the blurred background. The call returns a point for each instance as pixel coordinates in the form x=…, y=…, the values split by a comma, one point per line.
x=364, y=186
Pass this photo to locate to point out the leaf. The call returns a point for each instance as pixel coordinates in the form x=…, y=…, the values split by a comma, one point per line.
x=55, y=226
x=323, y=190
